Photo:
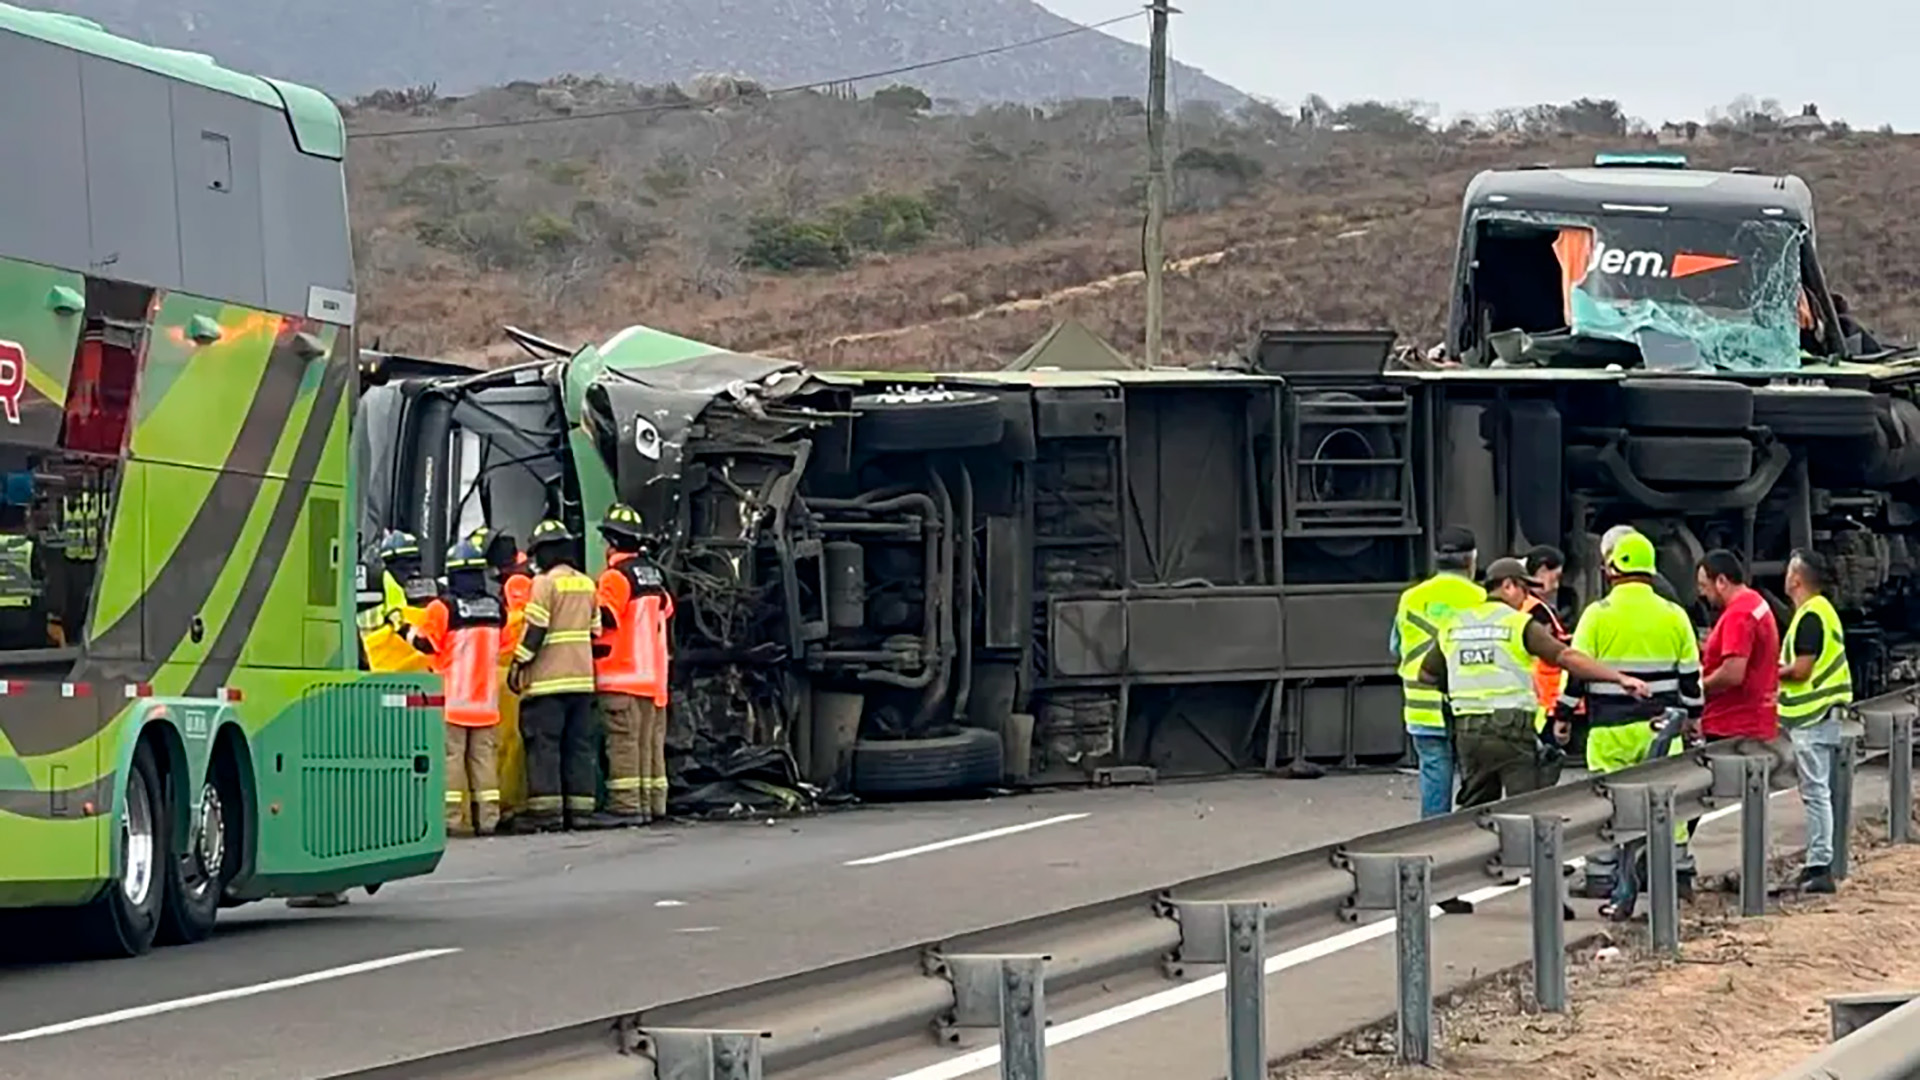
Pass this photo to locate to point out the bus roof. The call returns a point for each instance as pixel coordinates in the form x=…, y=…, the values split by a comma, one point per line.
x=1688, y=192
x=317, y=127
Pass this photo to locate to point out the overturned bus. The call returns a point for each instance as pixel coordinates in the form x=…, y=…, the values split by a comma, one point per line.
x=1072, y=573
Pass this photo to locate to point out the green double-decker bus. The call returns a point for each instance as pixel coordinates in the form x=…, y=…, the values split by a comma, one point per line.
x=184, y=724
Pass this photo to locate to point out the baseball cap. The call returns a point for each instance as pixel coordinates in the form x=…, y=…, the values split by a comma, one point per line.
x=1632, y=555
x=1508, y=569
x=1454, y=540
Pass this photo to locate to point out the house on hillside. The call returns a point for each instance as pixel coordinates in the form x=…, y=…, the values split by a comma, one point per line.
x=1807, y=125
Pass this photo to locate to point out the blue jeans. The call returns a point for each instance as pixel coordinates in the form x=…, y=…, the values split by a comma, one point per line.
x=1436, y=773
x=1813, y=749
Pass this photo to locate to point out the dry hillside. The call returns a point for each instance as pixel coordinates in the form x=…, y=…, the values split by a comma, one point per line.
x=878, y=233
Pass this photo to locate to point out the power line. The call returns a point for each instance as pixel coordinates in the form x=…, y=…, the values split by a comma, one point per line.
x=677, y=106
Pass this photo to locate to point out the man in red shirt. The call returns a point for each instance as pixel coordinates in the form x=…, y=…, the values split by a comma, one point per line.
x=1741, y=661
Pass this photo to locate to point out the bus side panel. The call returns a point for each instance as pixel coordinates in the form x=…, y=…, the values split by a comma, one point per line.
x=58, y=795
x=350, y=773
x=36, y=349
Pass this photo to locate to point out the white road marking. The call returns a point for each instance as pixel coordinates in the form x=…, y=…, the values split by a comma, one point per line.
x=971, y=838
x=1160, y=1001
x=161, y=1007
x=669, y=903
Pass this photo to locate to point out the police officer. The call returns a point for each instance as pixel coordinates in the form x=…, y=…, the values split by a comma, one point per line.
x=630, y=669
x=1423, y=609
x=1816, y=686
x=1635, y=630
x=460, y=629
x=553, y=674
x=1484, y=663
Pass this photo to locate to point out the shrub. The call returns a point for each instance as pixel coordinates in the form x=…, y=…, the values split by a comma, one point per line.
x=784, y=244
x=900, y=98
x=882, y=222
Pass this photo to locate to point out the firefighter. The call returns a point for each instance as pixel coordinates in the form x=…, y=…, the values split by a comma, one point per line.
x=1637, y=631
x=1423, y=610
x=461, y=630
x=553, y=674
x=402, y=593
x=630, y=669
x=513, y=575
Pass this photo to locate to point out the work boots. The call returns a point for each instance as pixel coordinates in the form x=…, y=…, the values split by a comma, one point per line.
x=1818, y=879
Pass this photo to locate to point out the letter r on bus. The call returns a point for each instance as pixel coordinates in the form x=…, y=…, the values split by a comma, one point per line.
x=13, y=378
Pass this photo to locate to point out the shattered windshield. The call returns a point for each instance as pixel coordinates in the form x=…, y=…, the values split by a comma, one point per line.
x=1691, y=293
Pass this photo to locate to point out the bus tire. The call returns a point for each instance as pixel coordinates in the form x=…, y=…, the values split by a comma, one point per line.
x=197, y=877
x=123, y=920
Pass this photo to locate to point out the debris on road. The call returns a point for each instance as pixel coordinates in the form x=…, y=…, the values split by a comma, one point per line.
x=1745, y=998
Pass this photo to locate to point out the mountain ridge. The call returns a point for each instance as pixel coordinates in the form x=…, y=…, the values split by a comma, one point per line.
x=460, y=47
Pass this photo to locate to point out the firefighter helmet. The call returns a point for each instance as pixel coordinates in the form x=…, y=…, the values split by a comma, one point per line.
x=550, y=532
x=398, y=545
x=623, y=522
x=466, y=555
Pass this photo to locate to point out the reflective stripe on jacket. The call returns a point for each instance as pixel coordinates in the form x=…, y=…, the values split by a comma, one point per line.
x=1423, y=609
x=17, y=589
x=637, y=657
x=561, y=660
x=1830, y=683
x=1635, y=631
x=1488, y=666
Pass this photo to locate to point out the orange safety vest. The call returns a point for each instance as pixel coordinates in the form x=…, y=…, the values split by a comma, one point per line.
x=636, y=658
x=467, y=648
x=1548, y=679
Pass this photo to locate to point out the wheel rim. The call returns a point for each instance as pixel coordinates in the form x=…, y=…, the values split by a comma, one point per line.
x=210, y=846
x=136, y=840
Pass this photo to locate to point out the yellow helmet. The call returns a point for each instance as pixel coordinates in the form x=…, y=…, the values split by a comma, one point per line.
x=1632, y=555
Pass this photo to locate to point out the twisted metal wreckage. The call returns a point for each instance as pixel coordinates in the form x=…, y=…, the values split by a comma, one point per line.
x=1077, y=570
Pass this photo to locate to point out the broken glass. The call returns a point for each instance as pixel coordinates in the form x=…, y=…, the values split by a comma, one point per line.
x=1690, y=293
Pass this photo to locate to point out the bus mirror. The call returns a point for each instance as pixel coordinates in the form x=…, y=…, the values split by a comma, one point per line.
x=66, y=301
x=203, y=329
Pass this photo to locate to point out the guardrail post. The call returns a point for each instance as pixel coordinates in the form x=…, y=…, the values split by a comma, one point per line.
x=1246, y=991
x=1663, y=870
x=1845, y=758
x=1413, y=955
x=1534, y=840
x=1755, y=779
x=1549, y=929
x=690, y=1054
x=1233, y=933
x=1007, y=992
x=1900, y=779
x=1403, y=884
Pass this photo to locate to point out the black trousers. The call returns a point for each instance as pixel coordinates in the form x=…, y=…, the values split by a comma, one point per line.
x=563, y=747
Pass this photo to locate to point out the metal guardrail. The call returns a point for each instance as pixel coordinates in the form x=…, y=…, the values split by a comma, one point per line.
x=1001, y=976
x=1875, y=1037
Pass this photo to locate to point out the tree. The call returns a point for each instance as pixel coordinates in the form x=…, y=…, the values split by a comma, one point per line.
x=902, y=99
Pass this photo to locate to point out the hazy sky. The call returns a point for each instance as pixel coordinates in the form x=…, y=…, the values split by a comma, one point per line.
x=1662, y=59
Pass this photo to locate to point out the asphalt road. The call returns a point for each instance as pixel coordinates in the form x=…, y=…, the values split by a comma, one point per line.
x=1317, y=989
x=517, y=935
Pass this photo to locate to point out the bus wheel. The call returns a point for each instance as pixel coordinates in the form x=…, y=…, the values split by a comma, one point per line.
x=196, y=877
x=123, y=919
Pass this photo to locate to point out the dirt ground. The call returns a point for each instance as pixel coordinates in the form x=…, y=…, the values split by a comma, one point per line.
x=1744, y=1001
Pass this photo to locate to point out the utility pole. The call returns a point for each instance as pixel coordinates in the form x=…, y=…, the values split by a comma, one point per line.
x=1156, y=254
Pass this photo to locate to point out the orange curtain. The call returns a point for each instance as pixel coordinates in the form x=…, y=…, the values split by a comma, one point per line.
x=1574, y=248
